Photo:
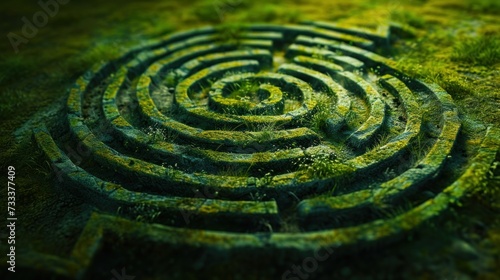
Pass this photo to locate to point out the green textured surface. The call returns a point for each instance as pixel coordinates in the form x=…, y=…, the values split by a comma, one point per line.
x=135, y=167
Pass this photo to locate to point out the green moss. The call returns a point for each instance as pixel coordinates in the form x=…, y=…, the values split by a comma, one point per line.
x=326, y=166
x=437, y=71
x=325, y=109
x=488, y=190
x=244, y=89
x=266, y=131
x=273, y=13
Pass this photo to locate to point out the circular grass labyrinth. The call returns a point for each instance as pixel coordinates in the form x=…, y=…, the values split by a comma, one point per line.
x=283, y=137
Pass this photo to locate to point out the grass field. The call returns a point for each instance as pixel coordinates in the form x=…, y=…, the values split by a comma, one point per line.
x=455, y=43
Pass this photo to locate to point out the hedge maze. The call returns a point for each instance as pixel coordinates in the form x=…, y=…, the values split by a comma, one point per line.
x=277, y=139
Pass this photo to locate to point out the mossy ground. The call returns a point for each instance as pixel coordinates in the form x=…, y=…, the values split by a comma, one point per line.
x=456, y=45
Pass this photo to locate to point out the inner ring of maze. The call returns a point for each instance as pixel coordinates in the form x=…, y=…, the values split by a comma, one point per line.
x=301, y=123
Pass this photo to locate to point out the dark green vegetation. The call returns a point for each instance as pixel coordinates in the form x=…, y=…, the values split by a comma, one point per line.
x=455, y=45
x=482, y=50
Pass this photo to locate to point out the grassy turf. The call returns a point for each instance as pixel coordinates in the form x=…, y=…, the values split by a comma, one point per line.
x=456, y=45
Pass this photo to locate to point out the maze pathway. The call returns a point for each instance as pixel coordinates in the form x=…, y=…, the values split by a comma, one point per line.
x=218, y=143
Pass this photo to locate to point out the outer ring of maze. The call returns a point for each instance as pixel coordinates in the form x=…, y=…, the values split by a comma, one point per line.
x=110, y=196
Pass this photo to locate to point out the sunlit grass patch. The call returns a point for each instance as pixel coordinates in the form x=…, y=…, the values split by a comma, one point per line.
x=326, y=166
x=482, y=50
x=407, y=17
x=229, y=33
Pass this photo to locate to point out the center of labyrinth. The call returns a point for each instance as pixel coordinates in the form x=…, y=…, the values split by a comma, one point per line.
x=282, y=133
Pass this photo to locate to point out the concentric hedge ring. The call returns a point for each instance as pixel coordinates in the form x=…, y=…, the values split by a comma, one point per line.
x=282, y=119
